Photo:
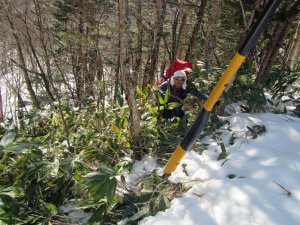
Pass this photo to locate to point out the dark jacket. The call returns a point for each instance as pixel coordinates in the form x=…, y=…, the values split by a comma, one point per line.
x=178, y=95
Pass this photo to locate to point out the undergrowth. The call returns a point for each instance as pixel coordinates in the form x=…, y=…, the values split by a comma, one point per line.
x=42, y=167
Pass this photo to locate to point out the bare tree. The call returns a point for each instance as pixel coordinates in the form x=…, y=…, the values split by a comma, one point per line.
x=176, y=35
x=127, y=78
x=21, y=63
x=153, y=56
x=196, y=29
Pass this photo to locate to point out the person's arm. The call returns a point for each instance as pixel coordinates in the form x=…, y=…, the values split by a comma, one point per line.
x=162, y=89
x=198, y=94
x=202, y=96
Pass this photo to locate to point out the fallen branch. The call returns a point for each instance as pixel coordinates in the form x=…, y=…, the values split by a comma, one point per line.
x=288, y=193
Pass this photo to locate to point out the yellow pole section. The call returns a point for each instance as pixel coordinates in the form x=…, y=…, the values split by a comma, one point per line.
x=223, y=82
x=175, y=159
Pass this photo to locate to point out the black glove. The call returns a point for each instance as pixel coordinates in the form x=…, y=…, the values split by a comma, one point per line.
x=218, y=103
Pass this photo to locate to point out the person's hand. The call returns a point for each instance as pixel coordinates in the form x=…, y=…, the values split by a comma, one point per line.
x=218, y=103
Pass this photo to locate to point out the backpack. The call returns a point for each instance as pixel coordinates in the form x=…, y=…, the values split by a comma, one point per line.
x=179, y=65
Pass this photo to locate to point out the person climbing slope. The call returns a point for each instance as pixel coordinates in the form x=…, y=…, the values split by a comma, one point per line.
x=178, y=92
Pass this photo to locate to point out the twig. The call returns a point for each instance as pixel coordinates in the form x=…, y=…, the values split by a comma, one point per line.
x=288, y=193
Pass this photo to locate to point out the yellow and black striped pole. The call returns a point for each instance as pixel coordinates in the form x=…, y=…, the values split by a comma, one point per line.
x=202, y=119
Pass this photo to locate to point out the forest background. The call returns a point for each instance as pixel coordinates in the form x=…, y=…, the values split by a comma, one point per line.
x=78, y=102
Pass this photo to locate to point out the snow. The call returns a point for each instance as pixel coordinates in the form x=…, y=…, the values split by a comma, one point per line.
x=258, y=182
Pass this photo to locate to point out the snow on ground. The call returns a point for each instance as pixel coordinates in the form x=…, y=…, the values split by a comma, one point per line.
x=258, y=183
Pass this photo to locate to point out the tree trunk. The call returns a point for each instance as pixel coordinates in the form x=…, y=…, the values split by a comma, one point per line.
x=128, y=80
x=21, y=57
x=117, y=75
x=268, y=52
x=177, y=37
x=101, y=79
x=151, y=64
x=287, y=17
x=82, y=58
x=1, y=107
x=213, y=22
x=42, y=73
x=294, y=53
x=138, y=59
x=284, y=31
x=194, y=37
x=20, y=112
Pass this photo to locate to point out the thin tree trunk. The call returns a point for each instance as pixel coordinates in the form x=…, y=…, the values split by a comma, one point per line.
x=21, y=58
x=128, y=80
x=79, y=81
x=287, y=17
x=117, y=75
x=20, y=112
x=213, y=22
x=1, y=107
x=82, y=58
x=42, y=73
x=285, y=29
x=294, y=53
x=268, y=52
x=180, y=32
x=152, y=62
x=101, y=79
x=138, y=59
x=194, y=37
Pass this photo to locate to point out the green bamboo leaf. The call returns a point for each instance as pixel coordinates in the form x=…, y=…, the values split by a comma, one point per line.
x=33, y=169
x=223, y=148
x=146, y=93
x=167, y=96
x=147, y=197
x=160, y=99
x=95, y=185
x=254, y=133
x=45, y=172
x=108, y=170
x=7, y=139
x=98, y=214
x=25, y=147
x=159, y=108
x=111, y=190
x=98, y=116
x=10, y=204
x=97, y=176
x=123, y=179
x=101, y=192
x=171, y=105
x=139, y=214
x=119, y=122
x=47, y=211
x=139, y=91
x=153, y=87
x=164, y=203
x=223, y=155
x=22, y=161
x=49, y=208
x=120, y=100
x=162, y=135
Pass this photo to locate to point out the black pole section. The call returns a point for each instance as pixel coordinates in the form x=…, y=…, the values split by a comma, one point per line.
x=259, y=26
x=194, y=132
x=202, y=119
